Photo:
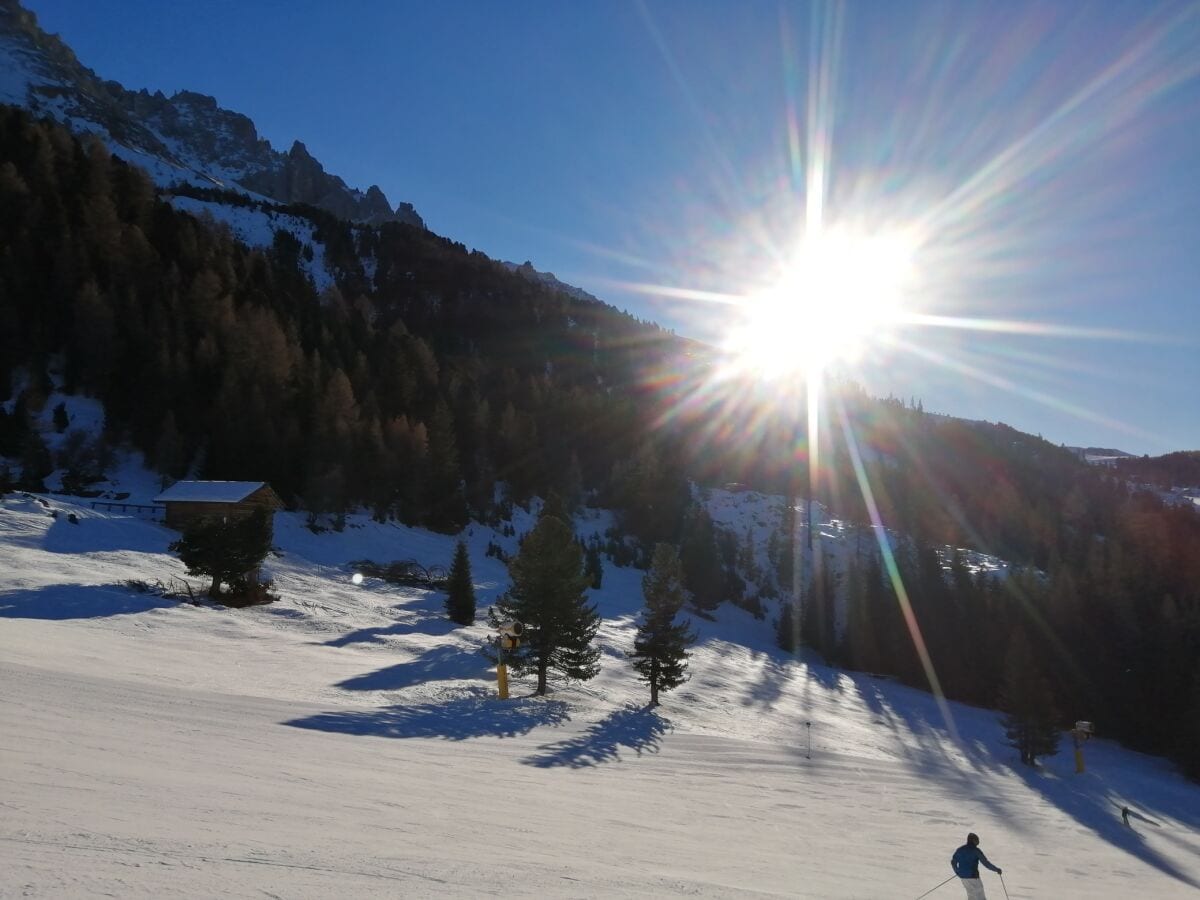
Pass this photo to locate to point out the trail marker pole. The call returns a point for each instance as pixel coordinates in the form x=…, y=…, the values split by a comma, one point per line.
x=808, y=727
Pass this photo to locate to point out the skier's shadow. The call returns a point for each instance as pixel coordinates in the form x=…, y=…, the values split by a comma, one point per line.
x=635, y=728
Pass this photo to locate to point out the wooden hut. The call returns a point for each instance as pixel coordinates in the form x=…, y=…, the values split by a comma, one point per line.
x=187, y=501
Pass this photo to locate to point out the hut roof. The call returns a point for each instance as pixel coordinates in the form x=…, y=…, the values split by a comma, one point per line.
x=209, y=491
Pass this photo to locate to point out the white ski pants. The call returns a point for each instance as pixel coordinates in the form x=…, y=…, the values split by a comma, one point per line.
x=974, y=888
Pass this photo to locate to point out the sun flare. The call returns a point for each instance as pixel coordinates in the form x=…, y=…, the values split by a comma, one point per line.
x=838, y=292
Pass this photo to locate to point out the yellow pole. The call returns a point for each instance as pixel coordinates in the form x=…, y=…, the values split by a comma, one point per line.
x=501, y=669
x=502, y=679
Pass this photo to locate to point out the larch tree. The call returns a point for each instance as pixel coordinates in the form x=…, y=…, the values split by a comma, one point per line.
x=659, y=650
x=548, y=596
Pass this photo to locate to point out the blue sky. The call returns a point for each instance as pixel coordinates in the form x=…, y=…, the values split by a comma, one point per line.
x=1045, y=155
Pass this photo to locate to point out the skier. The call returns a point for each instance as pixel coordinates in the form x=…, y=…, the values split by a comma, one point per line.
x=965, y=863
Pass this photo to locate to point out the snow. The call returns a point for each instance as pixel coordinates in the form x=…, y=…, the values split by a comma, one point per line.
x=256, y=228
x=127, y=478
x=346, y=741
x=209, y=491
x=15, y=80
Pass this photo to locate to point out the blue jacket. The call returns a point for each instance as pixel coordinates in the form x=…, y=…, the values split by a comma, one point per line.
x=966, y=860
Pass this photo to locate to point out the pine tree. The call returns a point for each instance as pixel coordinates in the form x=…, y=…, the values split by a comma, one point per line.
x=1188, y=749
x=228, y=551
x=36, y=462
x=13, y=429
x=787, y=631
x=701, y=560
x=594, y=565
x=547, y=596
x=170, y=458
x=861, y=649
x=817, y=627
x=448, y=511
x=572, y=488
x=658, y=650
x=460, y=591
x=555, y=507
x=785, y=548
x=1030, y=720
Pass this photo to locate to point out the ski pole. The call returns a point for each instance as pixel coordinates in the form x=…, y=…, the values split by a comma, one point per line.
x=932, y=889
x=1003, y=885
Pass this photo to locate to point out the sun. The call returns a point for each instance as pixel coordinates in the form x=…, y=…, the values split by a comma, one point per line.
x=838, y=292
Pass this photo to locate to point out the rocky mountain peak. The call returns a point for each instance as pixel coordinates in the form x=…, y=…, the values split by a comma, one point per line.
x=187, y=137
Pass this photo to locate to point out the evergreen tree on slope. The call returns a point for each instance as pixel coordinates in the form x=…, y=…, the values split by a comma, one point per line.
x=1030, y=720
x=227, y=550
x=460, y=591
x=548, y=597
x=658, y=650
x=1187, y=753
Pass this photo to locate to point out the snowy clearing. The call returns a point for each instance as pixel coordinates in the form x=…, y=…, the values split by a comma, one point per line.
x=347, y=742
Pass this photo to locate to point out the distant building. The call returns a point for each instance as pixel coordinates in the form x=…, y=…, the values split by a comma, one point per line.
x=187, y=501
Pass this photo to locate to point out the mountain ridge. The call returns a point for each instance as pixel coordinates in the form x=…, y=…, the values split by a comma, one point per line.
x=196, y=138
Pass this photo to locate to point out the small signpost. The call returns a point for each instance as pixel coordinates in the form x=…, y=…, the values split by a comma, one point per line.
x=509, y=638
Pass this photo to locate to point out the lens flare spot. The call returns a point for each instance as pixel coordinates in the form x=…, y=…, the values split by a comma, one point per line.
x=838, y=292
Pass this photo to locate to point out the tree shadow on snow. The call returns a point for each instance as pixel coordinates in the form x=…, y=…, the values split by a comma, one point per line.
x=636, y=728
x=438, y=664
x=1094, y=807
x=925, y=742
x=435, y=625
x=60, y=602
x=478, y=714
x=775, y=678
x=768, y=684
x=920, y=717
x=1090, y=800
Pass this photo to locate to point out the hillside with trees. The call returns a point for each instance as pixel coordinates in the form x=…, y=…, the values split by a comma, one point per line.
x=1181, y=469
x=412, y=394
x=431, y=385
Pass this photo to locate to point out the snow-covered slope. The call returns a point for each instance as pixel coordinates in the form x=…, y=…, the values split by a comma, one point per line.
x=346, y=741
x=257, y=228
